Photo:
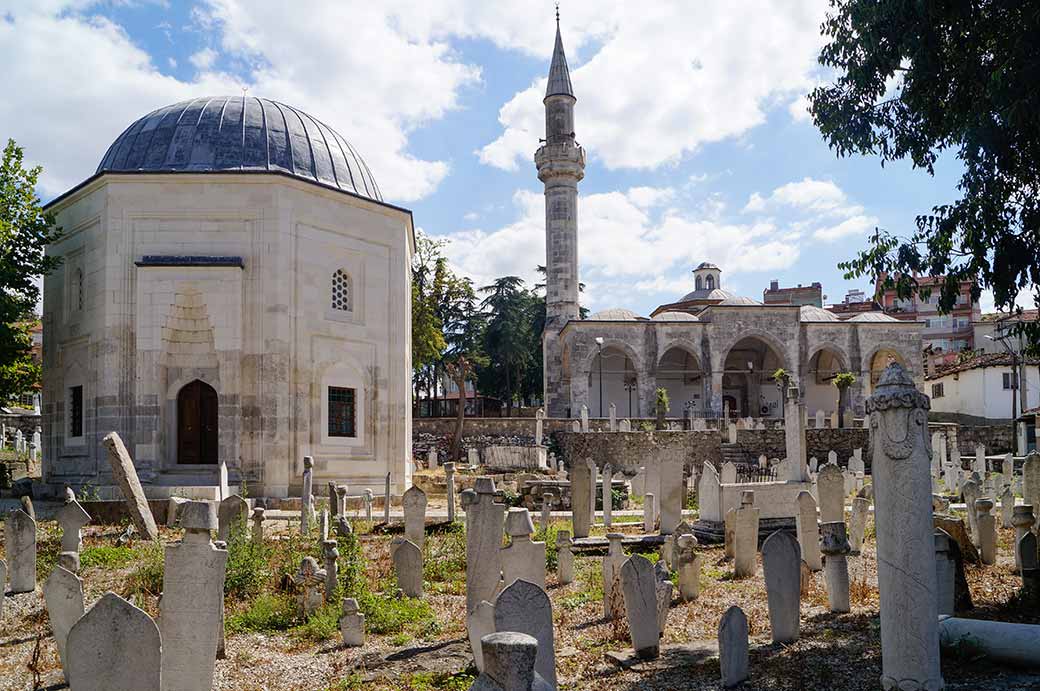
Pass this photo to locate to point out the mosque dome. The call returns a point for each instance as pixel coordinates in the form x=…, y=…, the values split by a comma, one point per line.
x=738, y=300
x=615, y=314
x=676, y=317
x=873, y=317
x=240, y=134
x=714, y=295
x=812, y=313
x=706, y=265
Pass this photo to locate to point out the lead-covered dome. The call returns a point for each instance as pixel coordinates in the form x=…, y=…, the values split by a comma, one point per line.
x=240, y=134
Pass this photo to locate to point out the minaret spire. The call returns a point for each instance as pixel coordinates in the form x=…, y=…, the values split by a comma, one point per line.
x=559, y=74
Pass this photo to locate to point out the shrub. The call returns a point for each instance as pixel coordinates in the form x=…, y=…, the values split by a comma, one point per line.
x=147, y=578
x=321, y=625
x=248, y=567
x=444, y=559
x=268, y=612
x=385, y=613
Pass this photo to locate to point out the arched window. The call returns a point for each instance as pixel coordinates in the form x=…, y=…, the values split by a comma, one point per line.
x=342, y=294
x=698, y=284
x=709, y=282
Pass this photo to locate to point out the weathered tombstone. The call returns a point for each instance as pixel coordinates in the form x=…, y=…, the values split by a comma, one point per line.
x=611, y=566
x=835, y=547
x=987, y=527
x=639, y=586
x=820, y=419
x=368, y=499
x=522, y=558
x=473, y=457
x=664, y=591
x=20, y=543
x=232, y=510
x=414, y=502
x=575, y=426
x=352, y=624
x=593, y=481
x=613, y=418
x=113, y=647
x=1031, y=479
x=903, y=520
x=731, y=434
x=547, y=503
x=192, y=605
x=858, y=523
x=311, y=582
x=808, y=530
x=483, y=541
x=733, y=647
x=408, y=567
x=608, y=498
x=728, y=532
x=258, y=524
x=745, y=536
x=510, y=663
x=1027, y=547
x=72, y=517
x=945, y=573
x=449, y=483
x=688, y=564
x=781, y=559
x=386, y=500
x=63, y=593
x=584, y=418
x=564, y=557
x=431, y=458
x=834, y=419
x=649, y=511
x=523, y=607
x=581, y=493
x=831, y=487
x=126, y=476
x=323, y=525
x=971, y=493
x=625, y=426
x=1007, y=507
x=307, y=495
x=331, y=553
x=673, y=490
x=222, y=480
x=794, y=437
x=480, y=623
x=728, y=476
x=539, y=421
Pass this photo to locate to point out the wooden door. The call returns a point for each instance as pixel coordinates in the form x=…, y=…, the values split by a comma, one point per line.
x=197, y=424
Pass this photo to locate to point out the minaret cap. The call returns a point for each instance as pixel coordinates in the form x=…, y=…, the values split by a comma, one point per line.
x=559, y=74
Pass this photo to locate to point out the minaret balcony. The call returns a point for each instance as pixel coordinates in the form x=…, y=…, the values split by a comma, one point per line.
x=563, y=158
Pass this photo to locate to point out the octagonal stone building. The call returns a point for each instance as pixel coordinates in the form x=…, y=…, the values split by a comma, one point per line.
x=233, y=289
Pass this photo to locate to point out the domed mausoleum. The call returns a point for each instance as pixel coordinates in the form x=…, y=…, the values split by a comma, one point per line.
x=233, y=289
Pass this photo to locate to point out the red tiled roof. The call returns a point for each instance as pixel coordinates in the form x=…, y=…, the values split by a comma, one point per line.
x=983, y=360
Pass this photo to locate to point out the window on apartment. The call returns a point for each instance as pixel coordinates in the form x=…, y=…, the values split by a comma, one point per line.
x=342, y=412
x=937, y=390
x=76, y=411
x=1010, y=380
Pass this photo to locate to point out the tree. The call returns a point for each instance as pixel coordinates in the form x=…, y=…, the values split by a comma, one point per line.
x=915, y=79
x=25, y=230
x=508, y=337
x=843, y=380
x=427, y=334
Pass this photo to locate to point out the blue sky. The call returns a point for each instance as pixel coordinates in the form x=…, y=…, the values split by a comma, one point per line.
x=692, y=116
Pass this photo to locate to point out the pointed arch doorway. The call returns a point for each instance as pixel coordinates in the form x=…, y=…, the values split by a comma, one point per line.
x=197, y=424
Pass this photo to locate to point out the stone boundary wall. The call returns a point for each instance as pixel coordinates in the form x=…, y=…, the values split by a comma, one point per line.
x=996, y=438
x=820, y=442
x=26, y=423
x=625, y=450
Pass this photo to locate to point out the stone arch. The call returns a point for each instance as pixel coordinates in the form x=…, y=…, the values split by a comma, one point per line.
x=620, y=383
x=709, y=282
x=877, y=359
x=751, y=391
x=198, y=424
x=817, y=381
x=698, y=284
x=679, y=372
x=765, y=337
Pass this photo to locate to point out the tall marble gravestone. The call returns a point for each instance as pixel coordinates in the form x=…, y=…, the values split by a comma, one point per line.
x=126, y=475
x=522, y=558
x=20, y=543
x=484, y=518
x=781, y=562
x=639, y=586
x=63, y=593
x=523, y=607
x=611, y=571
x=905, y=544
x=113, y=647
x=413, y=503
x=192, y=606
x=231, y=510
x=830, y=485
x=808, y=530
x=307, y=495
x=581, y=496
x=673, y=489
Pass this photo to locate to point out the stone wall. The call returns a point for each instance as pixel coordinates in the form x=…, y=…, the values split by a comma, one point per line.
x=26, y=423
x=820, y=442
x=996, y=438
x=626, y=450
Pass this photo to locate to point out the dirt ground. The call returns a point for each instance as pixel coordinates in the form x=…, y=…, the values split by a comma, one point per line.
x=834, y=651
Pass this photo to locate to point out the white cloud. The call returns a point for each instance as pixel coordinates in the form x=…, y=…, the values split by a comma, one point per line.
x=799, y=108
x=819, y=206
x=204, y=58
x=670, y=76
x=857, y=225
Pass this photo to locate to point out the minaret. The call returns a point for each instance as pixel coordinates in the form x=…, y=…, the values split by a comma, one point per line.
x=561, y=164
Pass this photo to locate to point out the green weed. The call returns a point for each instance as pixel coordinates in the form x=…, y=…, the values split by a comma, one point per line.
x=106, y=556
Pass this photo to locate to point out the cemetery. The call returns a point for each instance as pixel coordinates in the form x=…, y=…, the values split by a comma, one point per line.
x=915, y=568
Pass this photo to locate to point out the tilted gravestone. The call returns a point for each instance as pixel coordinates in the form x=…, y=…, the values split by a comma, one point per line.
x=192, y=605
x=114, y=647
x=523, y=607
x=510, y=664
x=63, y=593
x=611, y=567
x=126, y=475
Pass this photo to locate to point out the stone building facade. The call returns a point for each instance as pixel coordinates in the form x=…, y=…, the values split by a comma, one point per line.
x=233, y=289
x=710, y=349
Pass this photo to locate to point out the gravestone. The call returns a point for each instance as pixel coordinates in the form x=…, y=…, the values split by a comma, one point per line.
x=835, y=547
x=814, y=465
x=639, y=586
x=858, y=523
x=231, y=510
x=611, y=567
x=258, y=524
x=522, y=558
x=729, y=473
x=673, y=490
x=781, y=559
x=831, y=487
x=664, y=591
x=307, y=495
x=584, y=418
x=323, y=525
x=387, y=500
x=1007, y=507
x=547, y=504
x=1031, y=479
x=311, y=582
x=72, y=517
x=575, y=426
x=449, y=483
x=731, y=434
x=125, y=475
x=539, y=421
x=63, y=593
x=688, y=564
x=564, y=557
x=113, y=647
x=613, y=418
x=352, y=624
x=728, y=532
x=945, y=573
x=368, y=499
x=222, y=480
x=607, y=500
x=625, y=426
x=523, y=607
x=581, y=493
x=898, y=415
x=979, y=466
x=593, y=481
x=819, y=419
x=511, y=659
x=808, y=530
x=331, y=554
x=986, y=523
x=480, y=623
x=192, y=605
x=484, y=516
x=414, y=505
x=794, y=437
x=408, y=567
x=431, y=459
x=20, y=544
x=649, y=511
x=745, y=536
x=733, y=647
x=971, y=492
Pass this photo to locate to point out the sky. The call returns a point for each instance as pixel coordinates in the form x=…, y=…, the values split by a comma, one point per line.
x=693, y=117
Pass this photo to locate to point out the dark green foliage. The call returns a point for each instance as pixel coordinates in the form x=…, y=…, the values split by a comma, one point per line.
x=915, y=79
x=268, y=612
x=248, y=564
x=106, y=556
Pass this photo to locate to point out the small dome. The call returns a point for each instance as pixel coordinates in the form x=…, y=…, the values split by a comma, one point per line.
x=676, y=317
x=739, y=300
x=873, y=317
x=706, y=265
x=239, y=134
x=715, y=294
x=812, y=313
x=615, y=314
